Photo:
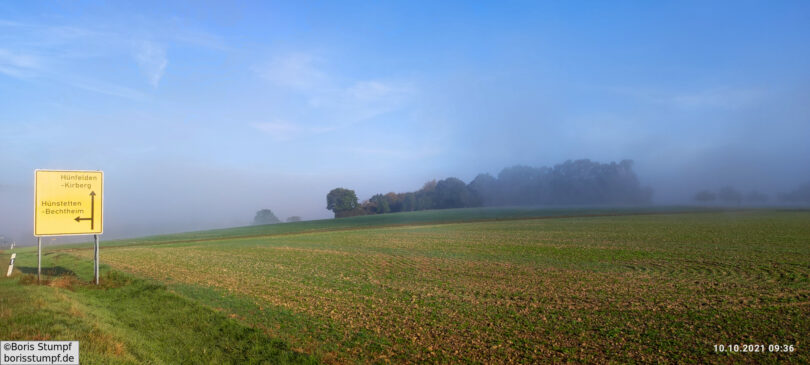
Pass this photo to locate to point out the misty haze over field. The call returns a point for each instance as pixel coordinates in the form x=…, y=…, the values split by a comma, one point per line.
x=200, y=117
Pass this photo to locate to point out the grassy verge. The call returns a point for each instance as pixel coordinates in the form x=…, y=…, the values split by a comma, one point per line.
x=126, y=319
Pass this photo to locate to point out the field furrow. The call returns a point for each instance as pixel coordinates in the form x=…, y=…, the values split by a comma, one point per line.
x=652, y=288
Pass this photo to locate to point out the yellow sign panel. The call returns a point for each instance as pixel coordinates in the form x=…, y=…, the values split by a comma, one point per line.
x=68, y=202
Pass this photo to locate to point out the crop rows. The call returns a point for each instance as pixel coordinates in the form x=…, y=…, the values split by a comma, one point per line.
x=649, y=288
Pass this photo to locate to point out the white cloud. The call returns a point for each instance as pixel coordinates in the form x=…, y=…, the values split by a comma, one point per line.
x=58, y=52
x=19, y=65
x=23, y=66
x=200, y=39
x=279, y=130
x=105, y=88
x=296, y=71
x=405, y=153
x=14, y=24
x=152, y=59
x=711, y=98
x=724, y=98
x=340, y=102
x=367, y=99
x=370, y=90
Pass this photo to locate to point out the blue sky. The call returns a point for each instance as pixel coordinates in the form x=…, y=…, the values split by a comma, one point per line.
x=200, y=115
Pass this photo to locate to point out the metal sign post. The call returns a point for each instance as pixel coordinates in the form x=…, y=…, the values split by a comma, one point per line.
x=95, y=258
x=39, y=258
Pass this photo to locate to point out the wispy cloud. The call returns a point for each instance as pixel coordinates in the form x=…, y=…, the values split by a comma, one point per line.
x=11, y=23
x=363, y=100
x=200, y=39
x=30, y=45
x=404, y=153
x=69, y=47
x=152, y=59
x=279, y=130
x=106, y=88
x=725, y=98
x=714, y=98
x=17, y=64
x=23, y=66
x=343, y=102
x=296, y=71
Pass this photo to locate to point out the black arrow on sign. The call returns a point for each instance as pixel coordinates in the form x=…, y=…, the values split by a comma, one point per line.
x=92, y=211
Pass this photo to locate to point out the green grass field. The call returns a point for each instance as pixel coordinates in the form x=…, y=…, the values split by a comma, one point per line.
x=511, y=286
x=411, y=218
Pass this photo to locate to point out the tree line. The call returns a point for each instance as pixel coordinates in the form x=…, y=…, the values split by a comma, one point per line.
x=799, y=195
x=730, y=195
x=572, y=182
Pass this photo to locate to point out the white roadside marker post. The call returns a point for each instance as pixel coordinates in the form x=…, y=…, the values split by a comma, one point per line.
x=11, y=264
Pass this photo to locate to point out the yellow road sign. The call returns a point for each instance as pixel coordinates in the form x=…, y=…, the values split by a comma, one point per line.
x=68, y=202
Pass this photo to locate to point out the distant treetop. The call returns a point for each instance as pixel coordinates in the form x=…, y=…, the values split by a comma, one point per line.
x=265, y=216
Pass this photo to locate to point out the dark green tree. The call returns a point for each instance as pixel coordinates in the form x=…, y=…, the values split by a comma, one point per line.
x=381, y=204
x=265, y=216
x=341, y=200
x=425, y=196
x=394, y=201
x=452, y=193
x=408, y=202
